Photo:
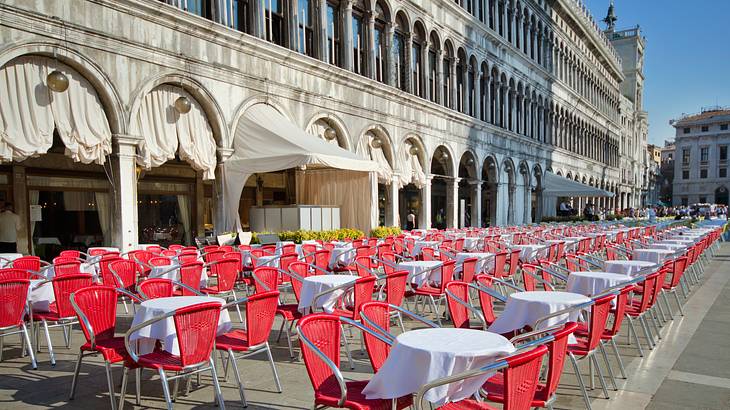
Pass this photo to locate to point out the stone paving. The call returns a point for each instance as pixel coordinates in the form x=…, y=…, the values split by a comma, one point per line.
x=690, y=368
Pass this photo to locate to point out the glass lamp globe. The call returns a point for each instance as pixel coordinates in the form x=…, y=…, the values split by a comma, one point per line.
x=182, y=105
x=57, y=81
x=413, y=150
x=330, y=134
x=377, y=142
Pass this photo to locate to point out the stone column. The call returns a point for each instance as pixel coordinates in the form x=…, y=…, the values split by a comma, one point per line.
x=199, y=228
x=372, y=49
x=504, y=106
x=517, y=194
x=21, y=205
x=527, y=219
x=476, y=204
x=347, y=42
x=497, y=120
x=425, y=71
x=394, y=207
x=478, y=93
x=259, y=21
x=425, y=217
x=124, y=165
x=219, y=204
x=452, y=203
x=388, y=55
x=454, y=82
x=502, y=204
x=440, y=77
x=488, y=99
x=322, y=28
x=517, y=33
x=410, y=86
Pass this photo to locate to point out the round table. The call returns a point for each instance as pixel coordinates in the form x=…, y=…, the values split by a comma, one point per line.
x=668, y=246
x=529, y=253
x=418, y=245
x=84, y=267
x=41, y=297
x=627, y=267
x=471, y=243
x=421, y=356
x=679, y=241
x=6, y=258
x=314, y=285
x=416, y=268
x=164, y=330
x=485, y=261
x=525, y=308
x=342, y=256
x=172, y=272
x=594, y=283
x=657, y=256
x=268, y=260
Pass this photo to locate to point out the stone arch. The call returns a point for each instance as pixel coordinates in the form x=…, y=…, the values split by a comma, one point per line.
x=320, y=124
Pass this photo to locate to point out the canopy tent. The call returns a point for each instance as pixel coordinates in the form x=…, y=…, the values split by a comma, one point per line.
x=556, y=186
x=266, y=141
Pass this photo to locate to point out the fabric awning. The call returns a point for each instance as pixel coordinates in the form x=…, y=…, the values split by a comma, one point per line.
x=555, y=185
x=266, y=141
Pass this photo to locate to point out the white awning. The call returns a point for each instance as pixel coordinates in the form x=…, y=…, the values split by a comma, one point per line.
x=266, y=141
x=555, y=185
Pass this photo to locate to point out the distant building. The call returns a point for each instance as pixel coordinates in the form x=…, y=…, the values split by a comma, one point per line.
x=652, y=174
x=666, y=172
x=701, y=157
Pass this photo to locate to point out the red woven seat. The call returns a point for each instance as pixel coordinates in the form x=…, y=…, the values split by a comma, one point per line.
x=13, y=303
x=467, y=405
x=329, y=395
x=112, y=349
x=289, y=311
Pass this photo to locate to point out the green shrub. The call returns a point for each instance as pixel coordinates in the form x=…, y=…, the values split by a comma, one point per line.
x=385, y=231
x=300, y=235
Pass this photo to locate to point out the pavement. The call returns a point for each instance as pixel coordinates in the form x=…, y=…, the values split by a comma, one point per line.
x=690, y=367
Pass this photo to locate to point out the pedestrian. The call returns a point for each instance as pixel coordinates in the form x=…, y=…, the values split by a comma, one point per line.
x=411, y=220
x=9, y=227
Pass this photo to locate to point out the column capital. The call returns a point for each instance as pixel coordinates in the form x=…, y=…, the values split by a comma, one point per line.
x=224, y=153
x=126, y=139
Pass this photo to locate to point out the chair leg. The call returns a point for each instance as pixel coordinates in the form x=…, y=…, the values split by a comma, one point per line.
x=636, y=336
x=655, y=322
x=110, y=382
x=273, y=368
x=618, y=358
x=666, y=304
x=608, y=365
x=679, y=305
x=600, y=375
x=647, y=334
x=238, y=309
x=347, y=348
x=138, y=382
x=26, y=336
x=400, y=322
x=74, y=380
x=48, y=340
x=216, y=385
x=580, y=380
x=288, y=341
x=123, y=391
x=232, y=360
x=165, y=389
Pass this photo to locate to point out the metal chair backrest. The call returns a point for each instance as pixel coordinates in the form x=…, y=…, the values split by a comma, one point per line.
x=458, y=312
x=500, y=259
x=428, y=254
x=286, y=260
x=321, y=331
x=322, y=259
x=28, y=263
x=447, y=274
x=521, y=378
x=213, y=256
x=196, y=328
x=622, y=300
x=288, y=248
x=168, y=253
x=514, y=262
x=125, y=270
x=597, y=323
x=187, y=257
x=104, y=268
x=300, y=269
x=378, y=313
x=486, y=301
x=557, y=349
x=13, y=300
x=63, y=287
x=227, y=271
x=395, y=287
x=390, y=266
x=190, y=275
x=156, y=288
x=160, y=261
x=363, y=292
x=67, y=268
x=364, y=266
x=15, y=274
x=677, y=271
x=266, y=279
x=528, y=277
x=65, y=259
x=96, y=309
x=70, y=253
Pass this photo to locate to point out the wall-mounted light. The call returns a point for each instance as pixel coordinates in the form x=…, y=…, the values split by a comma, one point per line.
x=330, y=134
x=413, y=150
x=377, y=142
x=183, y=105
x=57, y=81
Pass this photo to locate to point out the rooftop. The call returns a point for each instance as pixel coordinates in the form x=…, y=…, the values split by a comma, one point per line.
x=706, y=114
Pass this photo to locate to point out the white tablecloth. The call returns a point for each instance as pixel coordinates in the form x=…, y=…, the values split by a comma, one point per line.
x=342, y=256
x=525, y=308
x=471, y=244
x=626, y=267
x=314, y=285
x=529, y=253
x=164, y=330
x=271, y=260
x=485, y=261
x=679, y=241
x=418, y=245
x=8, y=257
x=421, y=356
x=41, y=298
x=657, y=256
x=668, y=246
x=414, y=268
x=90, y=268
x=172, y=272
x=594, y=283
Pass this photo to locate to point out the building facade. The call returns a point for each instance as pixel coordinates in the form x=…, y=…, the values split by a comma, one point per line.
x=471, y=103
x=701, y=157
x=653, y=174
x=666, y=173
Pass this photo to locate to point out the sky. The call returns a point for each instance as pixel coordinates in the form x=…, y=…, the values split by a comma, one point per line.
x=687, y=56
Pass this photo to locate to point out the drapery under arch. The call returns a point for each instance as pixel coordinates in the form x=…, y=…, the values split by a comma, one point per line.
x=366, y=149
x=30, y=111
x=411, y=168
x=167, y=131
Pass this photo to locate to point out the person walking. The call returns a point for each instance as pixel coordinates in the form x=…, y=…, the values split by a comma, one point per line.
x=9, y=227
x=411, y=220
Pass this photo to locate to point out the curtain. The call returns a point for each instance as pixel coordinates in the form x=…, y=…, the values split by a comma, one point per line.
x=78, y=201
x=103, y=209
x=166, y=131
x=350, y=190
x=33, y=197
x=183, y=205
x=412, y=169
x=29, y=112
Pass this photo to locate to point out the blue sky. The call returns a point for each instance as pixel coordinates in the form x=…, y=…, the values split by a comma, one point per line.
x=687, y=55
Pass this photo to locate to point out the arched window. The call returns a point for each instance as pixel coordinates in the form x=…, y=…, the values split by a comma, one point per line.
x=399, y=53
x=241, y=16
x=417, y=74
x=359, y=39
x=448, y=76
x=380, y=45
x=274, y=21
x=334, y=56
x=433, y=68
x=471, y=87
x=461, y=81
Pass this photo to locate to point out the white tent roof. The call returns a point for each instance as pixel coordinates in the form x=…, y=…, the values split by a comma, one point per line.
x=265, y=141
x=555, y=185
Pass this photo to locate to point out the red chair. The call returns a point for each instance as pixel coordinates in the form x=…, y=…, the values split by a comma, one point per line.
x=321, y=261
x=156, y=288
x=586, y=346
x=364, y=266
x=437, y=294
x=428, y=254
x=513, y=263
x=521, y=374
x=175, y=247
x=13, y=304
x=469, y=269
x=96, y=311
x=123, y=274
x=254, y=339
x=678, y=269
x=168, y=253
x=66, y=268
x=196, y=327
x=187, y=257
x=142, y=257
x=190, y=275
x=319, y=336
x=395, y=287
x=459, y=305
x=637, y=308
x=545, y=393
x=65, y=259
x=15, y=273
x=70, y=254
x=227, y=271
x=61, y=313
x=160, y=261
x=500, y=260
x=31, y=263
x=486, y=300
